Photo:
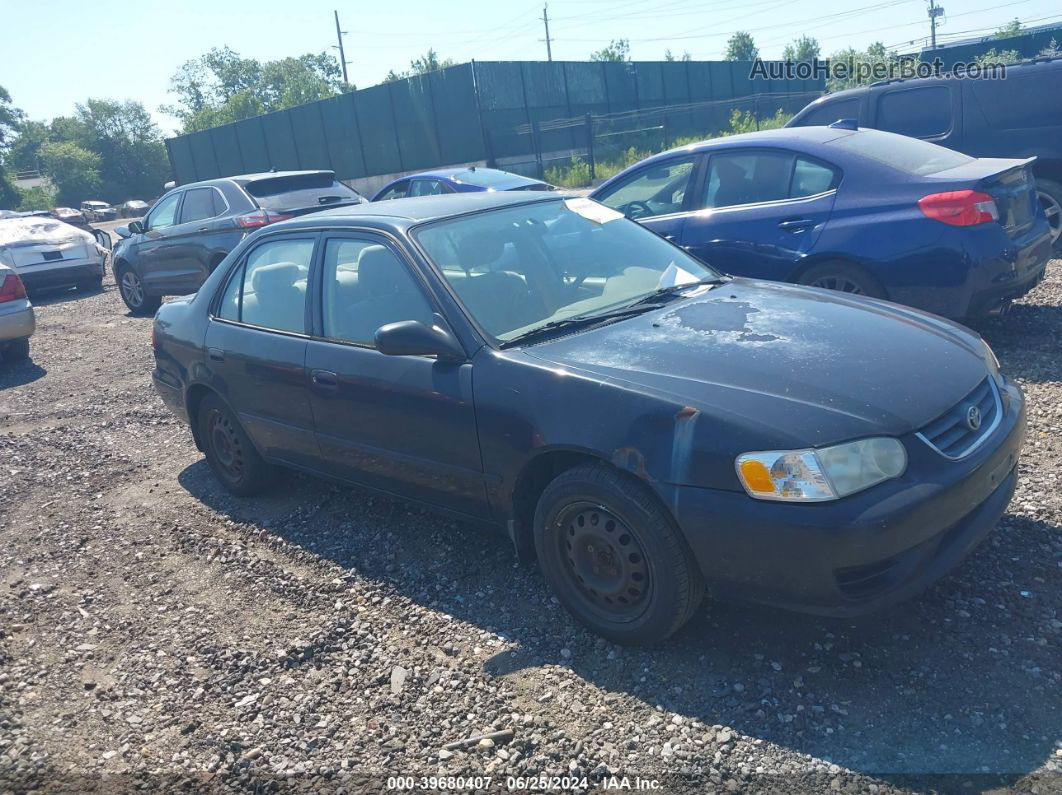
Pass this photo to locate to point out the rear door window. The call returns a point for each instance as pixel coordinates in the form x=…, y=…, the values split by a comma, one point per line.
x=396, y=191
x=426, y=187
x=200, y=204
x=268, y=289
x=300, y=191
x=921, y=112
x=744, y=177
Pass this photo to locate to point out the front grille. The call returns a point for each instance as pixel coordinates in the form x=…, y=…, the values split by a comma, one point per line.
x=953, y=435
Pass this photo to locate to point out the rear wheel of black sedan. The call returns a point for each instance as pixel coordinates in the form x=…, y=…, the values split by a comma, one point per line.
x=131, y=287
x=844, y=278
x=614, y=557
x=229, y=452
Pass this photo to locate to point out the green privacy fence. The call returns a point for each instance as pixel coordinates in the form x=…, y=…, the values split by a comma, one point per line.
x=472, y=112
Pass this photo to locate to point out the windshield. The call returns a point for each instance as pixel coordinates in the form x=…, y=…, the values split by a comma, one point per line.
x=519, y=268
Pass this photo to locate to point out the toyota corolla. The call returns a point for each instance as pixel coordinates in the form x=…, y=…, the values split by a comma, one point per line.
x=648, y=428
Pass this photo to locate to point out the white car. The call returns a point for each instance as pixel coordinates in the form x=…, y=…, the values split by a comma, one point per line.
x=17, y=323
x=49, y=253
x=98, y=211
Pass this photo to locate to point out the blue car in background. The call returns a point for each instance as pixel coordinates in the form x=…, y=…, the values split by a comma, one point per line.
x=457, y=180
x=862, y=211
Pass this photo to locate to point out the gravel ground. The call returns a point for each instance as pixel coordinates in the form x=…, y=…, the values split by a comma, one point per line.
x=156, y=633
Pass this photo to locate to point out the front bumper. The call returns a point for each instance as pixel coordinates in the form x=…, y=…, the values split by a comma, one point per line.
x=61, y=273
x=862, y=553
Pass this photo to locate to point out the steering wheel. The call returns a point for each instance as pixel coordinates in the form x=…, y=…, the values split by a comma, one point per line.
x=637, y=208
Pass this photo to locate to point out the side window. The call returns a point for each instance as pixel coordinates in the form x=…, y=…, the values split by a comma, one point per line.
x=426, y=187
x=923, y=112
x=657, y=190
x=829, y=112
x=366, y=285
x=742, y=177
x=269, y=288
x=165, y=213
x=810, y=178
x=199, y=204
x=396, y=191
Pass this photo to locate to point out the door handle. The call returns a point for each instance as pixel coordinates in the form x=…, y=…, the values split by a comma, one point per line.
x=203, y=229
x=324, y=379
x=216, y=354
x=796, y=224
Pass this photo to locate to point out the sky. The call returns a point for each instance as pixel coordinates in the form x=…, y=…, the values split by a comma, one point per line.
x=58, y=53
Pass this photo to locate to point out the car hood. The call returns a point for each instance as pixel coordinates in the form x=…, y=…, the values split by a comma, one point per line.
x=803, y=365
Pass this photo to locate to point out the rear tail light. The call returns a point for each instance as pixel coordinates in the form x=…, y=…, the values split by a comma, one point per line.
x=258, y=218
x=12, y=289
x=959, y=207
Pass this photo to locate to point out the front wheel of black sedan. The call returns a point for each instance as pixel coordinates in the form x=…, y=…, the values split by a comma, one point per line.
x=229, y=452
x=614, y=557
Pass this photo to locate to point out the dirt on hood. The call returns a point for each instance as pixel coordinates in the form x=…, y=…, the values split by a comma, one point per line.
x=35, y=230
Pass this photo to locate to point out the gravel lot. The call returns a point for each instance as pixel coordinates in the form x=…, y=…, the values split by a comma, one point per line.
x=155, y=631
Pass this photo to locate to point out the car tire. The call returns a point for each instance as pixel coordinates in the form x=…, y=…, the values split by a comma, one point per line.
x=614, y=557
x=229, y=452
x=93, y=285
x=1049, y=193
x=17, y=350
x=843, y=277
x=132, y=290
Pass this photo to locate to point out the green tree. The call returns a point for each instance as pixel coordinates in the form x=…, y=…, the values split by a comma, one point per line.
x=133, y=161
x=617, y=50
x=995, y=56
x=861, y=65
x=428, y=62
x=803, y=49
x=39, y=198
x=74, y=171
x=10, y=120
x=1010, y=30
x=221, y=86
x=22, y=154
x=669, y=57
x=741, y=47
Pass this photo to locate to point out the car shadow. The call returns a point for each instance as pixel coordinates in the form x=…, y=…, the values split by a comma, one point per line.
x=52, y=296
x=20, y=373
x=937, y=693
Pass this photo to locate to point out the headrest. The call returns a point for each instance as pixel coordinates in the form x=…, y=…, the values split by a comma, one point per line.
x=278, y=276
x=378, y=270
x=480, y=248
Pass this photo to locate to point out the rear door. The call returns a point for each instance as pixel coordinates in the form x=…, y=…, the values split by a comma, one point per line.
x=659, y=195
x=155, y=248
x=761, y=211
x=403, y=424
x=256, y=347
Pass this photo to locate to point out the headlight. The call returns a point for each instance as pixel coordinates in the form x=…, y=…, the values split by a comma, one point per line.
x=825, y=474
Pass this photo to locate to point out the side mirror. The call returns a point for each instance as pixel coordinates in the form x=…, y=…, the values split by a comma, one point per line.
x=123, y=231
x=135, y=228
x=413, y=338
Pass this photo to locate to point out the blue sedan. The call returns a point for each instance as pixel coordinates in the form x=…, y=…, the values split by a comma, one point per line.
x=465, y=179
x=862, y=211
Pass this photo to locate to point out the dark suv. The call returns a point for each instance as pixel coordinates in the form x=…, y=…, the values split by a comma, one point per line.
x=191, y=229
x=1019, y=116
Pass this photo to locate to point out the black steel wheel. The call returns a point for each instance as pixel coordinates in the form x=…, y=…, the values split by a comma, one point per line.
x=229, y=452
x=844, y=278
x=614, y=557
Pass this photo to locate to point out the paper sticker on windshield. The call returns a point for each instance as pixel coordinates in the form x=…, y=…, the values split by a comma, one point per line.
x=591, y=210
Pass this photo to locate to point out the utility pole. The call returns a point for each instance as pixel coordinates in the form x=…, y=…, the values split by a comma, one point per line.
x=342, y=55
x=545, y=21
x=934, y=12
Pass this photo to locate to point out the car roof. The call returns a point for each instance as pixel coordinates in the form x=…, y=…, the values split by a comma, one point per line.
x=786, y=136
x=243, y=179
x=403, y=213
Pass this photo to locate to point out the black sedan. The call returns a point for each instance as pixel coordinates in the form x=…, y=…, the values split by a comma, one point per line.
x=646, y=426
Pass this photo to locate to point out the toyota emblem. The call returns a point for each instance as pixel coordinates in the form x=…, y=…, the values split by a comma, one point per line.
x=973, y=418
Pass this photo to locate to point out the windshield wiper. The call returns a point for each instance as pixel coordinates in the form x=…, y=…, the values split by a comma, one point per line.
x=662, y=293
x=580, y=321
